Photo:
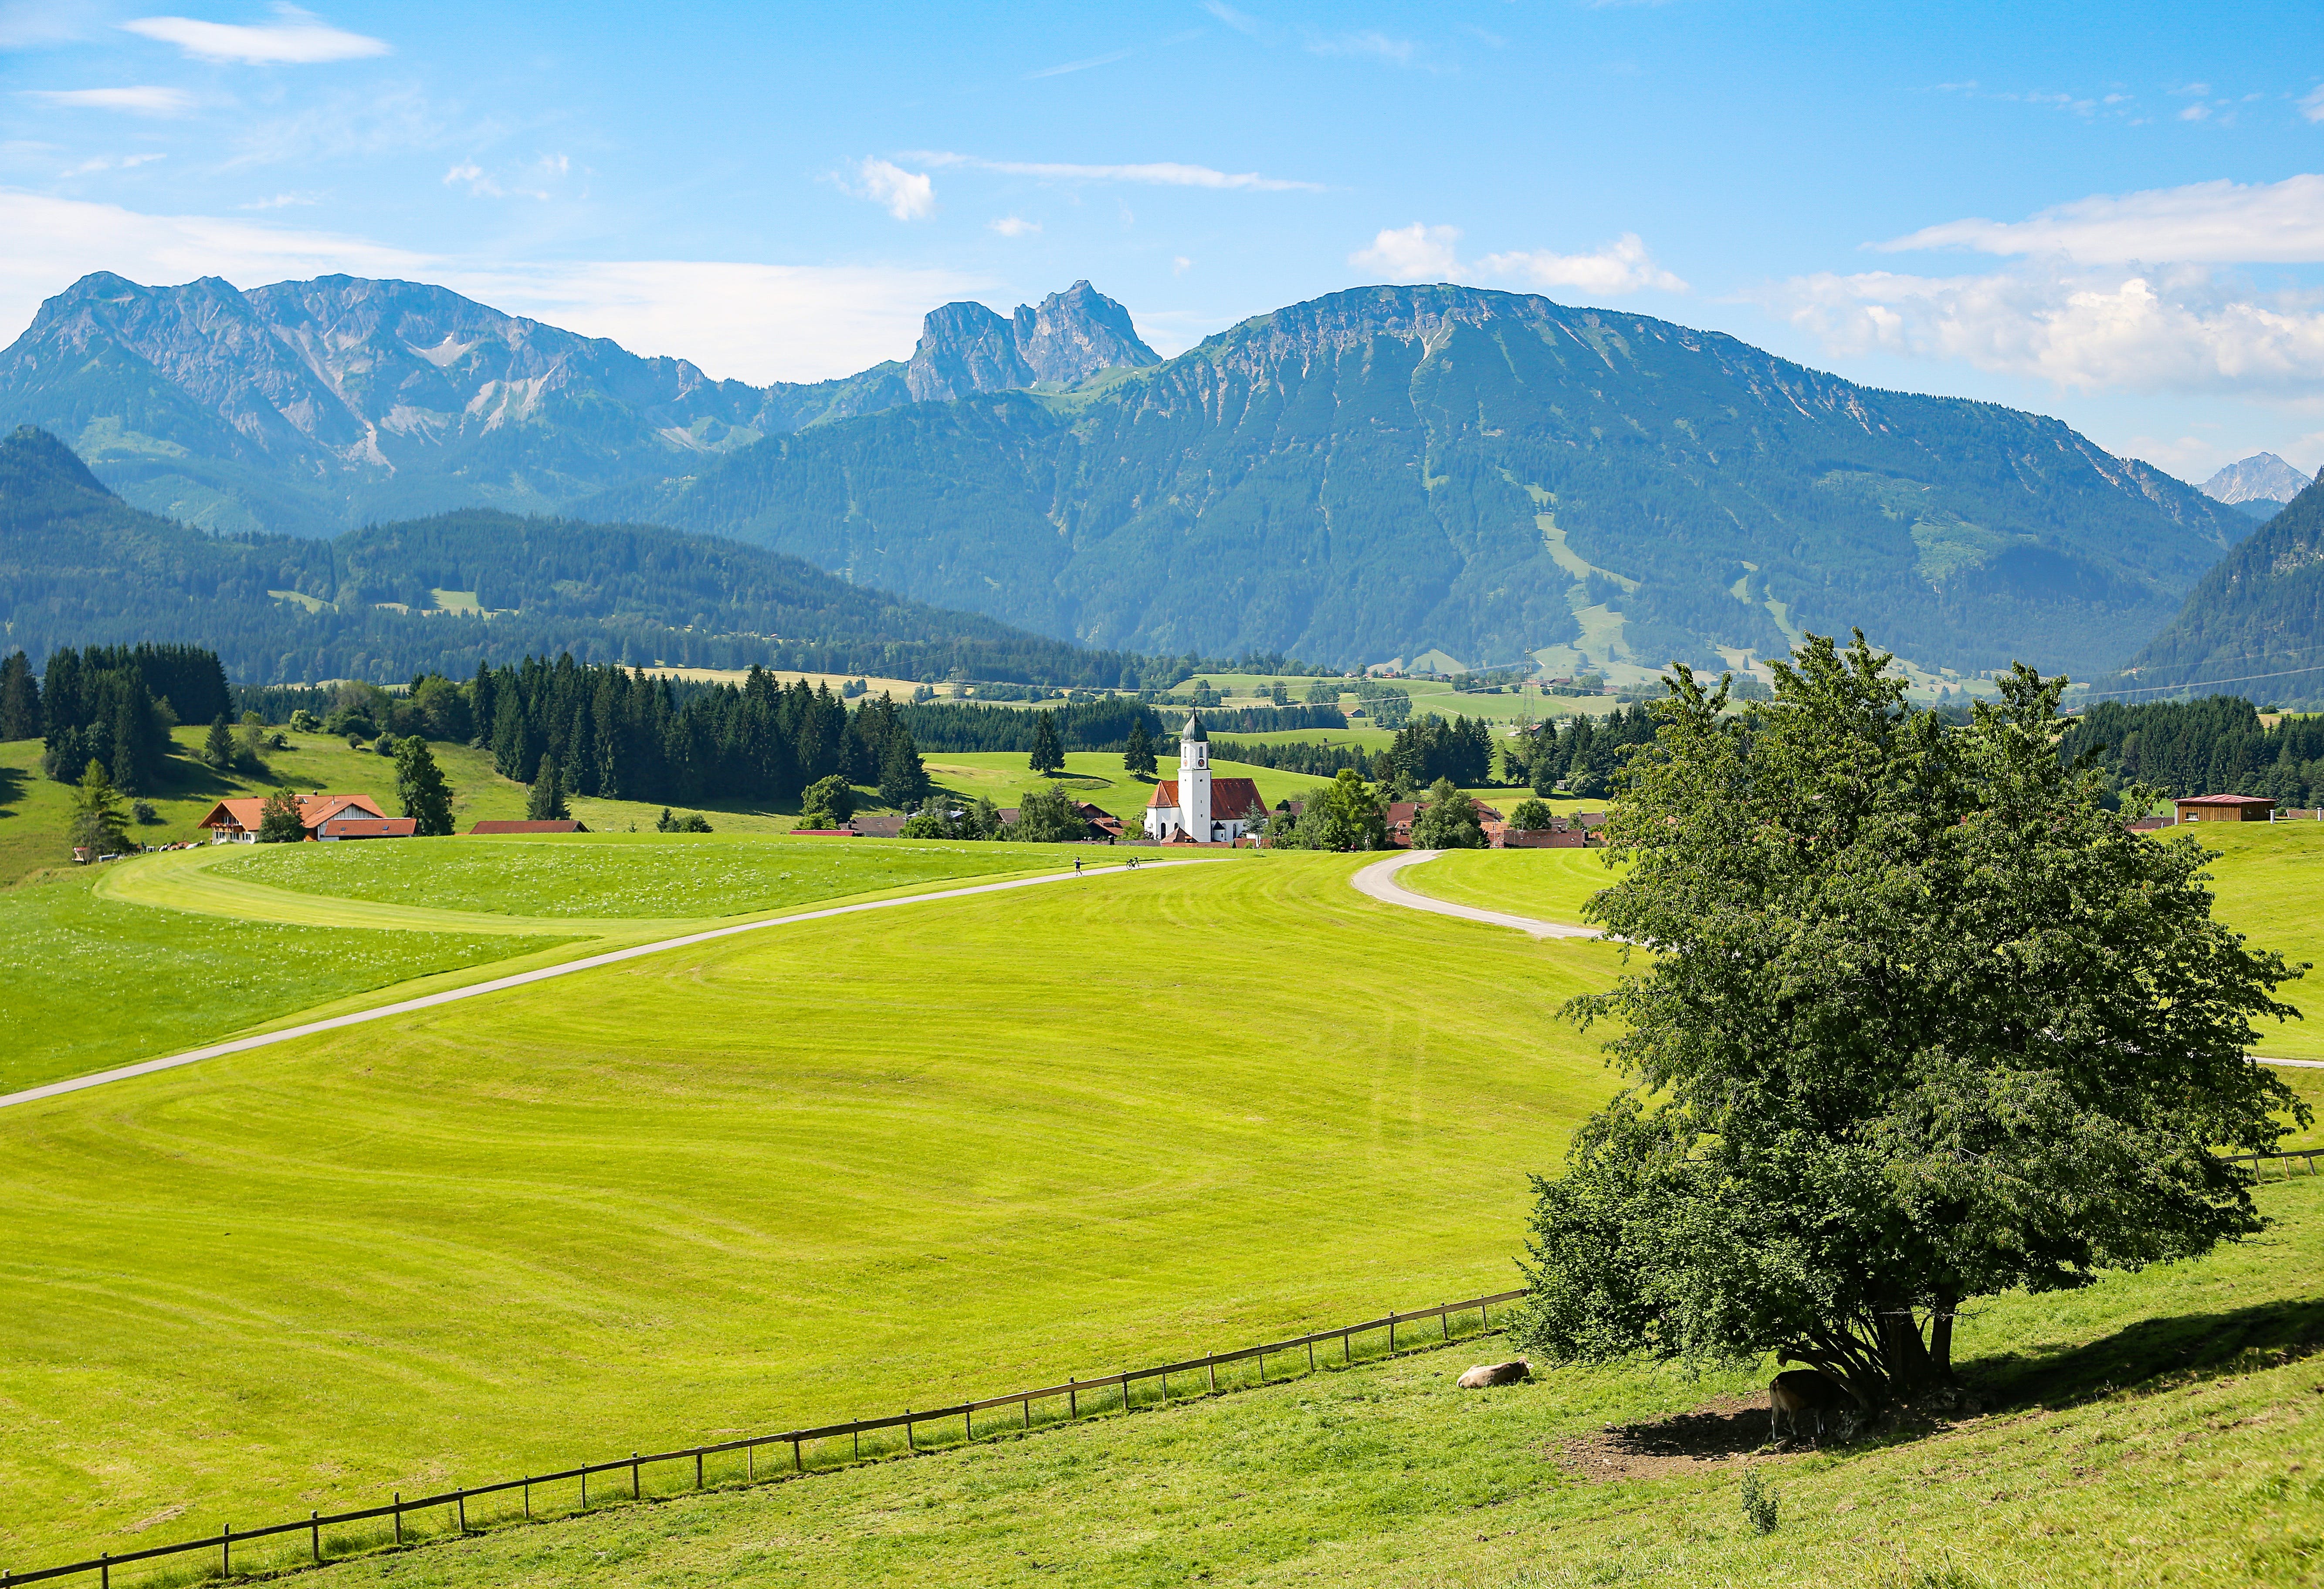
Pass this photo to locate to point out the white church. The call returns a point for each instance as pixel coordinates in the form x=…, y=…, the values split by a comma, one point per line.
x=1195, y=808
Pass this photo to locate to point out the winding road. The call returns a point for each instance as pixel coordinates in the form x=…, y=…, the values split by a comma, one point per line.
x=1379, y=881
x=564, y=968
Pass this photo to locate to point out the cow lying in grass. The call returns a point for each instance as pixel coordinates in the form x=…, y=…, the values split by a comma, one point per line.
x=1486, y=1375
x=1812, y=1392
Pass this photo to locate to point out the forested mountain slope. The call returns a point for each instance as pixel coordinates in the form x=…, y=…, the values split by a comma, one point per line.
x=1386, y=470
x=78, y=566
x=309, y=407
x=2254, y=624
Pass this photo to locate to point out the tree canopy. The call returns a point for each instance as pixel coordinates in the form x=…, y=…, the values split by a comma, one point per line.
x=1447, y=820
x=1918, y=1021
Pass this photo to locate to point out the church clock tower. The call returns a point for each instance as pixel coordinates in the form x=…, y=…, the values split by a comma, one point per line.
x=1194, y=779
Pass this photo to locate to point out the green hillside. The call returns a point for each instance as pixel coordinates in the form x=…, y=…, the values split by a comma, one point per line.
x=79, y=566
x=1390, y=469
x=2254, y=625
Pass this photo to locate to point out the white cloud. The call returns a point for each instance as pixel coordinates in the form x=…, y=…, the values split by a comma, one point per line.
x=1156, y=174
x=750, y=322
x=2312, y=107
x=1411, y=253
x=2173, y=329
x=1420, y=252
x=1181, y=265
x=282, y=201
x=908, y=196
x=141, y=100
x=2221, y=223
x=1623, y=265
x=2195, y=113
x=1240, y=22
x=1014, y=227
x=26, y=25
x=110, y=162
x=299, y=39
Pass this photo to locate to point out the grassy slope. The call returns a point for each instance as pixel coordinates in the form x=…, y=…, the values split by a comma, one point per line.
x=2160, y=1428
x=842, y=1167
x=1551, y=885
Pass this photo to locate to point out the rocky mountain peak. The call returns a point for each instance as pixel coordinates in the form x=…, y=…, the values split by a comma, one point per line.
x=2261, y=478
x=1067, y=338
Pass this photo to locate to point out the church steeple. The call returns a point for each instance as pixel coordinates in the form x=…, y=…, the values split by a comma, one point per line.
x=1194, y=730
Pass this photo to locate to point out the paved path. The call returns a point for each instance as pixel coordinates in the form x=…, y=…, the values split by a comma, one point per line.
x=566, y=969
x=1379, y=881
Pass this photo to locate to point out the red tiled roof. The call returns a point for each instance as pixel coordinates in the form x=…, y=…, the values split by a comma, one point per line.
x=1231, y=799
x=1164, y=796
x=243, y=812
x=562, y=825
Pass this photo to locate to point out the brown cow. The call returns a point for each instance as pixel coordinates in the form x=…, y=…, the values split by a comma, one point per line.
x=1496, y=1374
x=1810, y=1391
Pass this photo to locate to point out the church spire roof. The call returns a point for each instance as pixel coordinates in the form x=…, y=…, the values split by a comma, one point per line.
x=1193, y=730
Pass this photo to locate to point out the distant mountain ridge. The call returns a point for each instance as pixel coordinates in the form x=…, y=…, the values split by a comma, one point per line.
x=2254, y=625
x=2260, y=484
x=306, y=406
x=1387, y=470
x=79, y=566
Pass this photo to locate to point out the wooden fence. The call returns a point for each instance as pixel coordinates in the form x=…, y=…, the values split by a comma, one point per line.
x=2260, y=1161
x=809, y=1448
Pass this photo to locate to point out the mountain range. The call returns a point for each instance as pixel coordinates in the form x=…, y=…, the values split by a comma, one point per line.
x=80, y=566
x=310, y=407
x=2260, y=484
x=2254, y=624
x=1364, y=477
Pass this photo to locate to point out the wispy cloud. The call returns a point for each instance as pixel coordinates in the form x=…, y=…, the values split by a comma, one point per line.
x=1156, y=174
x=1080, y=65
x=110, y=162
x=143, y=100
x=282, y=201
x=547, y=168
x=1370, y=44
x=1240, y=22
x=27, y=24
x=908, y=196
x=1014, y=227
x=2312, y=107
x=1421, y=253
x=299, y=39
x=2218, y=222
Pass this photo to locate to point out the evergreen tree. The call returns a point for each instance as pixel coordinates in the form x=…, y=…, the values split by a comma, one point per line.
x=903, y=779
x=420, y=788
x=218, y=744
x=278, y=820
x=546, y=803
x=97, y=825
x=1137, y=755
x=20, y=700
x=1048, y=753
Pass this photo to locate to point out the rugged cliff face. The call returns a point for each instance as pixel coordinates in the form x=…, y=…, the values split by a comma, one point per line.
x=1387, y=470
x=308, y=405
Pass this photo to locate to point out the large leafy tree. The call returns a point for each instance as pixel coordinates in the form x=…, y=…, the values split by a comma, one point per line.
x=1447, y=820
x=1919, y=1021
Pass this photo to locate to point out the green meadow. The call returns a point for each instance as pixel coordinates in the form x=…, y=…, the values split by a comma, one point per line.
x=2161, y=1427
x=831, y=1169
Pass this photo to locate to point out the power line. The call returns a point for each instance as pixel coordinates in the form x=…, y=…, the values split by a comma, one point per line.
x=2208, y=684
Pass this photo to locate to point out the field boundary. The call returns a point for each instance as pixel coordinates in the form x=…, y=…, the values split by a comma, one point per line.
x=1115, y=1393
x=544, y=973
x=1378, y=881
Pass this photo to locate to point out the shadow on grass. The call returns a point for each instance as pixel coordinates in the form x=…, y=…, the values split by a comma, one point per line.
x=2264, y=1336
x=13, y=782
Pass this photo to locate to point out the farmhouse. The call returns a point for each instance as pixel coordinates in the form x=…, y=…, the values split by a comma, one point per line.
x=2225, y=808
x=1195, y=808
x=323, y=816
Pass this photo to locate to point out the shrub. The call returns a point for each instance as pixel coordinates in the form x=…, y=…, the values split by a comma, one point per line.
x=1758, y=1503
x=1532, y=816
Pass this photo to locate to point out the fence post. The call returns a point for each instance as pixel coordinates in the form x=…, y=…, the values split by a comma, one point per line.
x=314, y=1527
x=105, y=1570
x=751, y=1463
x=528, y=1497
x=1073, y=1398
x=1125, y=1392
x=1311, y=1354
x=1262, y=1367
x=225, y=1550
x=633, y=1475
x=399, y=1509
x=909, y=1446
x=1028, y=1412
x=462, y=1497
x=1347, y=1353
x=1444, y=1318
x=798, y=1461
x=697, y=1470
x=968, y=1423
x=1391, y=1334
x=584, y=1489
x=1211, y=1367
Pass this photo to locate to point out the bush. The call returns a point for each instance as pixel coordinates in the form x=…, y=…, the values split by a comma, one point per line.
x=143, y=810
x=1532, y=816
x=829, y=802
x=692, y=822
x=1758, y=1503
x=303, y=722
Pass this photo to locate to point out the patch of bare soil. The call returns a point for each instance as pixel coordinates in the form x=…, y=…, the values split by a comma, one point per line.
x=1722, y=1431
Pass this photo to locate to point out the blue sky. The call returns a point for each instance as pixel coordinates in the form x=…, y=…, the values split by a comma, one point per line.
x=2112, y=214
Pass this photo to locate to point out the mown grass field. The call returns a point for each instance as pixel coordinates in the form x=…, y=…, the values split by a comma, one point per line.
x=832, y=1168
x=1551, y=885
x=2160, y=1427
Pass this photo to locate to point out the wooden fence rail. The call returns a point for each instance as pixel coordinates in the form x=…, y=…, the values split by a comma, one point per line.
x=1073, y=1393
x=2259, y=1161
